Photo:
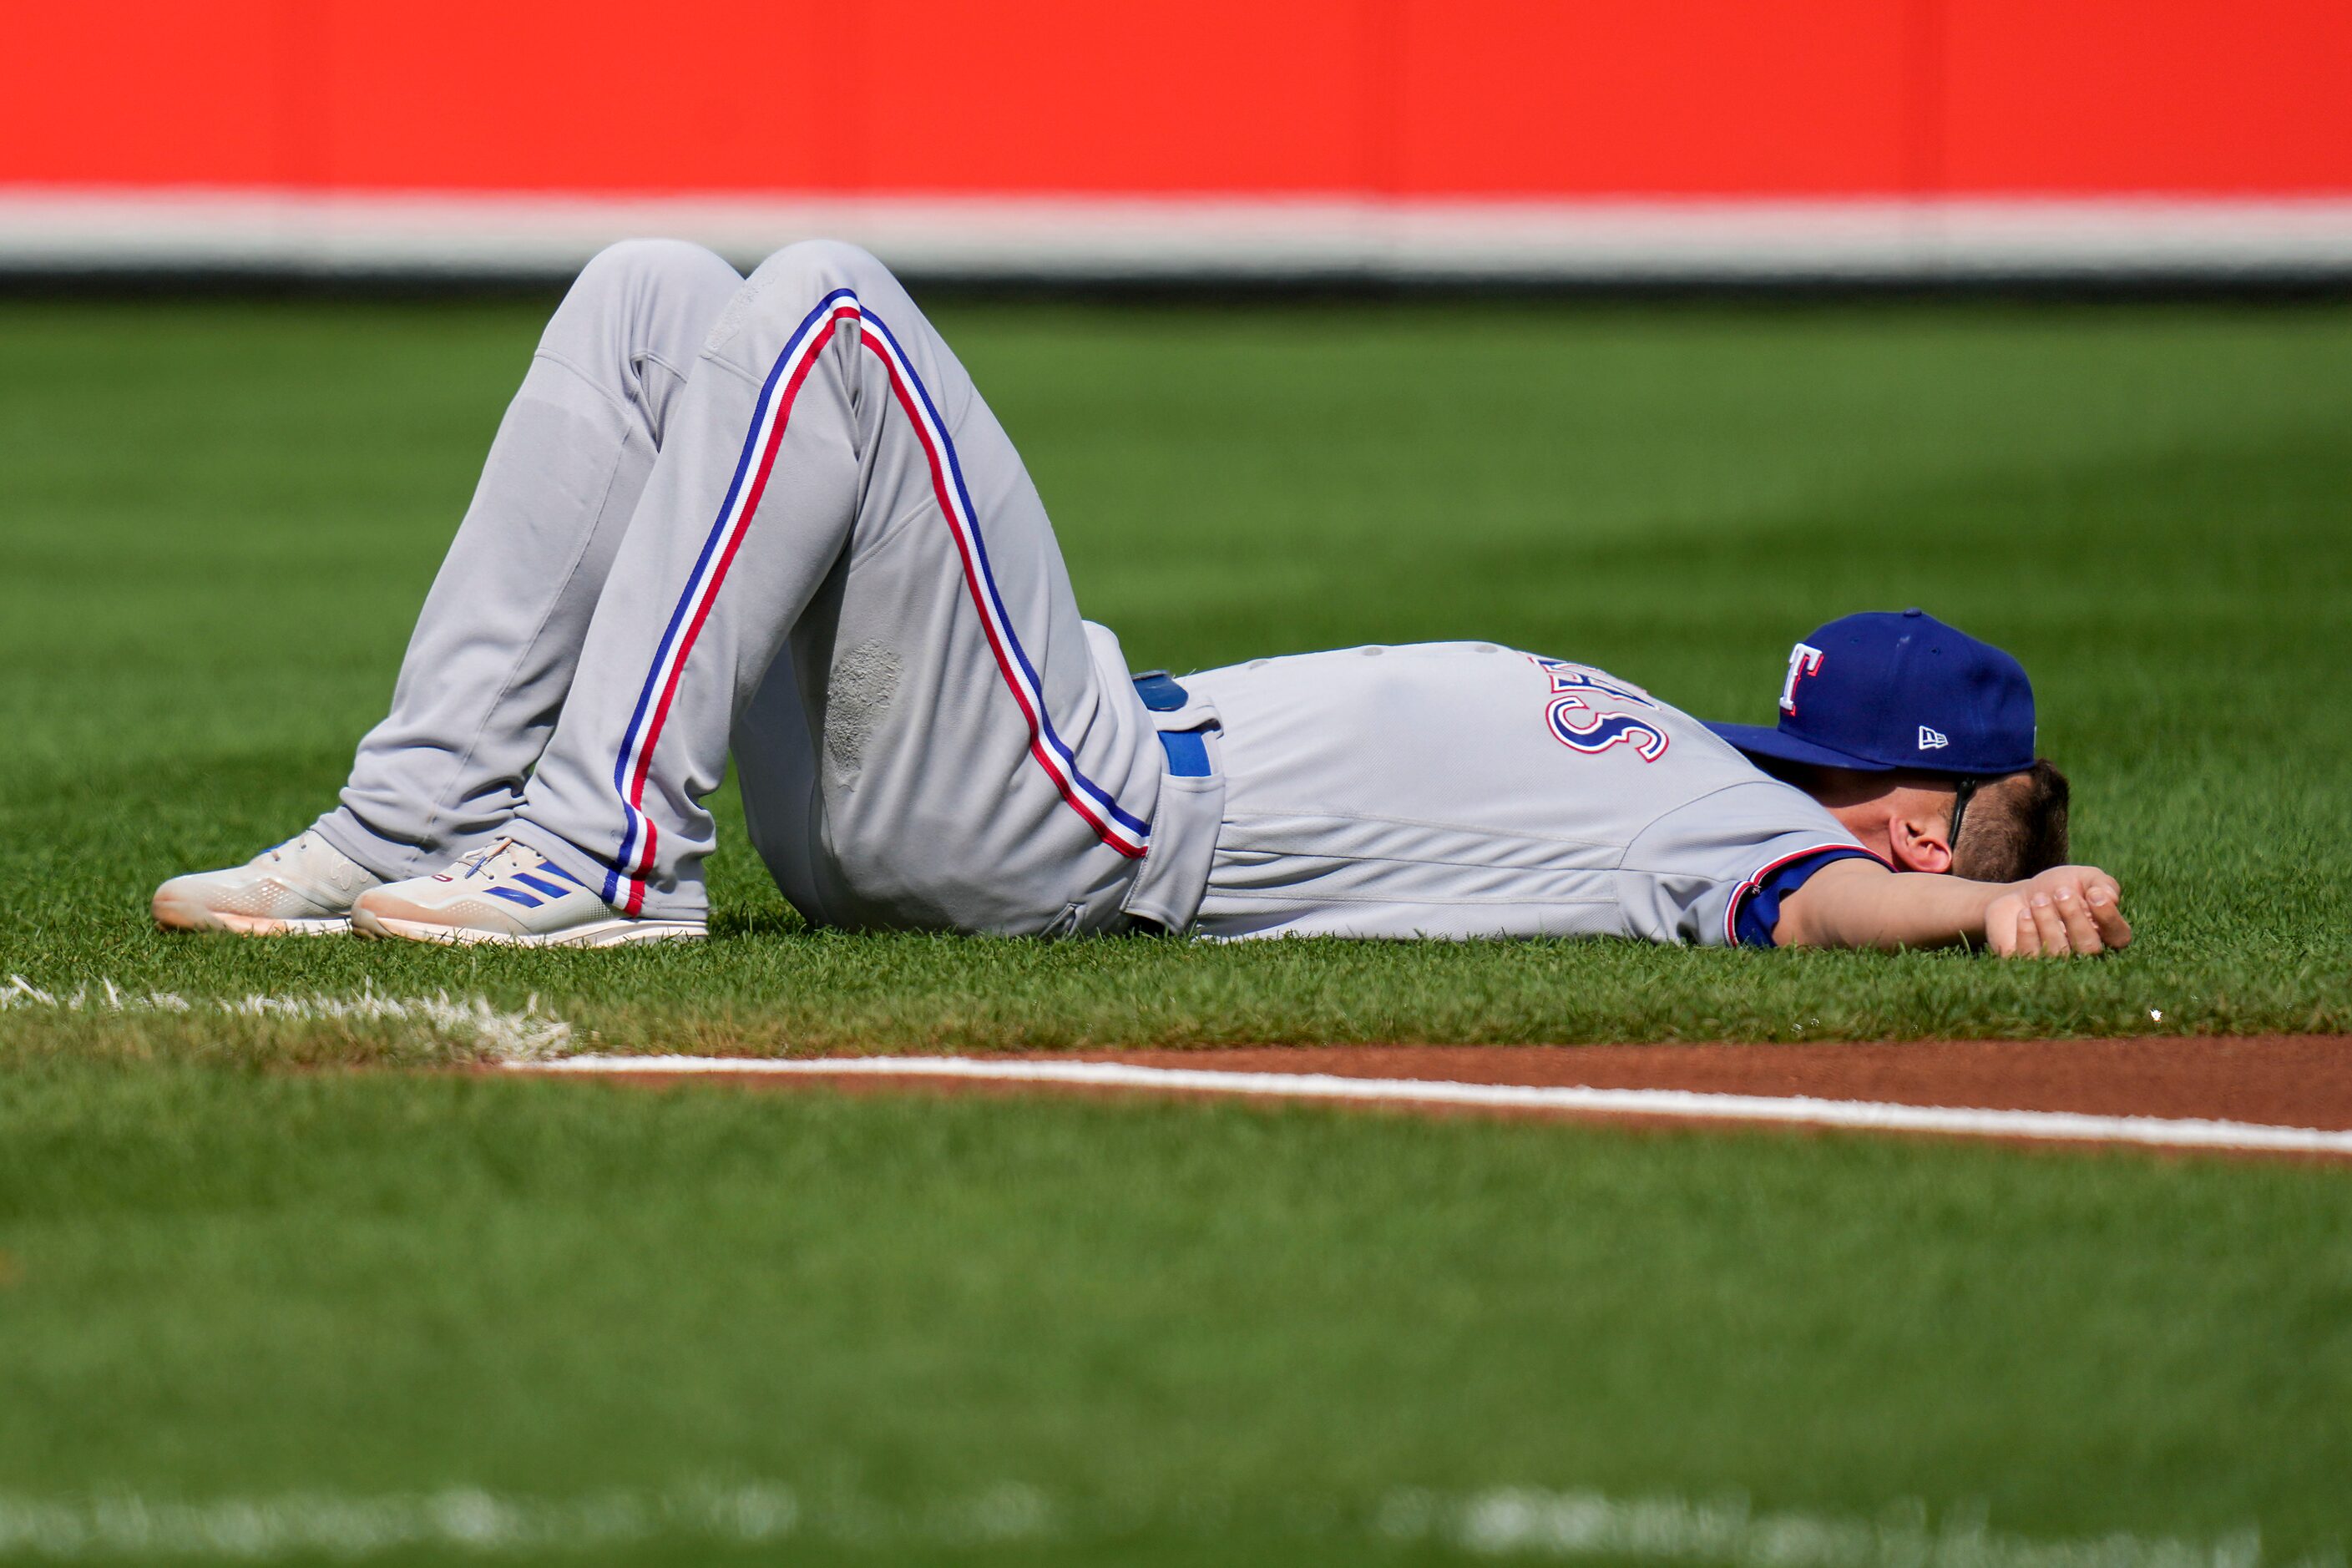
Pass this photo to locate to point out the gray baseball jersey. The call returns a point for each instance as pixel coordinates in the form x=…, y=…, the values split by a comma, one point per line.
x=1466, y=790
x=773, y=517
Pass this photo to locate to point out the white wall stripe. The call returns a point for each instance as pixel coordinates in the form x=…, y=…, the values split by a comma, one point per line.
x=2062, y=1126
x=526, y=234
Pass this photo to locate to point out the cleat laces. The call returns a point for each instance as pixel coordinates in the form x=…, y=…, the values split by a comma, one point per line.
x=499, y=858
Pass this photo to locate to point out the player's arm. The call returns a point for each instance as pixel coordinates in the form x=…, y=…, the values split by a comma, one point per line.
x=1860, y=903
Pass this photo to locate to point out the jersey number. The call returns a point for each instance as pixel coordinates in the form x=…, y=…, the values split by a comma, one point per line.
x=1575, y=723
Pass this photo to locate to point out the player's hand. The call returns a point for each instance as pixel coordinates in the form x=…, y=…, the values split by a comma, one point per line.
x=2067, y=910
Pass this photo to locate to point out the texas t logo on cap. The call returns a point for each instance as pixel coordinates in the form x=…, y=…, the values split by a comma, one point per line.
x=1805, y=660
x=1880, y=690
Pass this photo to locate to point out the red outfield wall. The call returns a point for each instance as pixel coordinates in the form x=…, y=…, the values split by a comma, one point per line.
x=1414, y=98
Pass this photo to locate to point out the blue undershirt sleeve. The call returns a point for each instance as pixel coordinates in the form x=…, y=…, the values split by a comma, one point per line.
x=1755, y=907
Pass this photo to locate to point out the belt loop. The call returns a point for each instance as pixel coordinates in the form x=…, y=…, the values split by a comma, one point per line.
x=1169, y=885
x=1188, y=754
x=1159, y=691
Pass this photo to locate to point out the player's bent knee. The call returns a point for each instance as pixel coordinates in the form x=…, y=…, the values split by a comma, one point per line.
x=810, y=269
x=783, y=290
x=630, y=265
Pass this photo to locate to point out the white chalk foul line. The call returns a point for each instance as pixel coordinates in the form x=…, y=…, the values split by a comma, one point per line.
x=1722, y=1533
x=528, y=1035
x=1804, y=1110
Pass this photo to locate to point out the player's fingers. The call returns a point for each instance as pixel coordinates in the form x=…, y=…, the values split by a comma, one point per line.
x=2108, y=915
x=2024, y=941
x=2001, y=926
x=2029, y=933
x=2075, y=914
x=2049, y=927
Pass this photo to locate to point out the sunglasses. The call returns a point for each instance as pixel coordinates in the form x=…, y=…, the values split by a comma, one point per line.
x=1962, y=793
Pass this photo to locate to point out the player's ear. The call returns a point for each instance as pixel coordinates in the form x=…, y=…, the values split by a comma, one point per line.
x=1918, y=842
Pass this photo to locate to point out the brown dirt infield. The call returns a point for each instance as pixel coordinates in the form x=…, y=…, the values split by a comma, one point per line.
x=2279, y=1081
x=2276, y=1080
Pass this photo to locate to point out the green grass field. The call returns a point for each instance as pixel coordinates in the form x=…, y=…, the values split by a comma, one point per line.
x=250, y=1310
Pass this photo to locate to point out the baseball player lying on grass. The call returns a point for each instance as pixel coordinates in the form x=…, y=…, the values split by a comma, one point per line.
x=772, y=518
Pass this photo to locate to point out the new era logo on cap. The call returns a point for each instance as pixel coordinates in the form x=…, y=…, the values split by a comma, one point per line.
x=1854, y=689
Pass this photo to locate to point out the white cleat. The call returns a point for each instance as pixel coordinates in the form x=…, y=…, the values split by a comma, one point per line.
x=303, y=887
x=505, y=894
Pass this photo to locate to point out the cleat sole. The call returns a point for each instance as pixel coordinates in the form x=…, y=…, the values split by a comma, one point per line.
x=618, y=932
x=176, y=914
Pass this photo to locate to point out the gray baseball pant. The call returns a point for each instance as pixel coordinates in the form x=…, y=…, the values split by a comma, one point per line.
x=774, y=516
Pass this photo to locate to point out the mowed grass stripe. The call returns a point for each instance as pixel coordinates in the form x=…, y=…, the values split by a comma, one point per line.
x=250, y=1284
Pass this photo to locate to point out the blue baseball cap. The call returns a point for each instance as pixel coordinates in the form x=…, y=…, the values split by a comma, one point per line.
x=1879, y=691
